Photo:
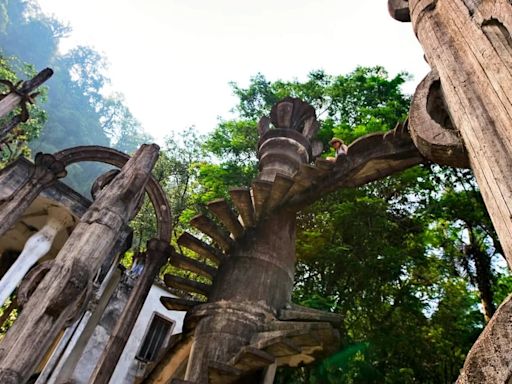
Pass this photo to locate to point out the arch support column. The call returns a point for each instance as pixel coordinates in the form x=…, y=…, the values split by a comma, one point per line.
x=59, y=294
x=47, y=170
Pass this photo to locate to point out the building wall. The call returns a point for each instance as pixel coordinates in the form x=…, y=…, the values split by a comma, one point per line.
x=127, y=366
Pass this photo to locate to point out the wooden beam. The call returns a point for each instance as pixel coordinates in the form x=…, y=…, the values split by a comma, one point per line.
x=13, y=99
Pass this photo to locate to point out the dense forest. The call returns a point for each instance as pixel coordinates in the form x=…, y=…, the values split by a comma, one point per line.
x=412, y=262
x=77, y=110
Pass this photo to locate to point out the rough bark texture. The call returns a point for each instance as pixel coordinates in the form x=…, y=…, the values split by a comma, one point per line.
x=56, y=299
x=16, y=95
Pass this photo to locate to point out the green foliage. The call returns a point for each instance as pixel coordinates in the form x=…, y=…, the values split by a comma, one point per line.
x=176, y=170
x=15, y=144
x=8, y=313
x=503, y=286
x=363, y=101
x=79, y=110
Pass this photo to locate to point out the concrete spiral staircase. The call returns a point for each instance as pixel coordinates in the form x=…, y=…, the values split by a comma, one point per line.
x=287, y=334
x=298, y=334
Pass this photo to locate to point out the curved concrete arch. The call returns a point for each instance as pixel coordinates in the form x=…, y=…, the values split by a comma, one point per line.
x=117, y=158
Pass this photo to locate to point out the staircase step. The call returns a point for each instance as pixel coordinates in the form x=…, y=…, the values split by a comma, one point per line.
x=280, y=188
x=260, y=193
x=186, y=284
x=221, y=373
x=302, y=334
x=324, y=164
x=277, y=346
x=221, y=209
x=178, y=304
x=186, y=263
x=302, y=181
x=299, y=313
x=252, y=359
x=209, y=228
x=200, y=247
x=243, y=202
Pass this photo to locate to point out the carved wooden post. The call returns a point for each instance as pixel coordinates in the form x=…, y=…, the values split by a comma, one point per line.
x=56, y=299
x=157, y=253
x=468, y=44
x=469, y=47
x=256, y=280
x=47, y=170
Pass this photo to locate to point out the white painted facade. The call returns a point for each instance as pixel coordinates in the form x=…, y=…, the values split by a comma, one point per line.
x=128, y=365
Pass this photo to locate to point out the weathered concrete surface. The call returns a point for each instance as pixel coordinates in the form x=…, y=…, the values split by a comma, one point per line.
x=99, y=339
x=489, y=360
x=55, y=301
x=468, y=44
x=47, y=170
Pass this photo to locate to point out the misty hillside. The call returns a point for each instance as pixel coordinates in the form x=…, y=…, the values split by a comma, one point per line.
x=78, y=111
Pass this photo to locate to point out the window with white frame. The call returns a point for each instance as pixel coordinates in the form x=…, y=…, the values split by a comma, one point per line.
x=155, y=339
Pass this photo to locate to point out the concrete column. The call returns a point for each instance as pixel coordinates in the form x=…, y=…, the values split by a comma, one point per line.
x=36, y=247
x=58, y=297
x=256, y=280
x=47, y=170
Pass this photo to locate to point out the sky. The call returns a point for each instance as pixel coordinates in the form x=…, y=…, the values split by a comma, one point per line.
x=174, y=59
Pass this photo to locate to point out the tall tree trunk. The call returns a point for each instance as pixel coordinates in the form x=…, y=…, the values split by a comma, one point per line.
x=483, y=275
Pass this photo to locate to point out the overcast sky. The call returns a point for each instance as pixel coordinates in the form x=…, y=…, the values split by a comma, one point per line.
x=173, y=59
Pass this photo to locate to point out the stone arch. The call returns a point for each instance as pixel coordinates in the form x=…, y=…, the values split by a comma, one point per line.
x=117, y=158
